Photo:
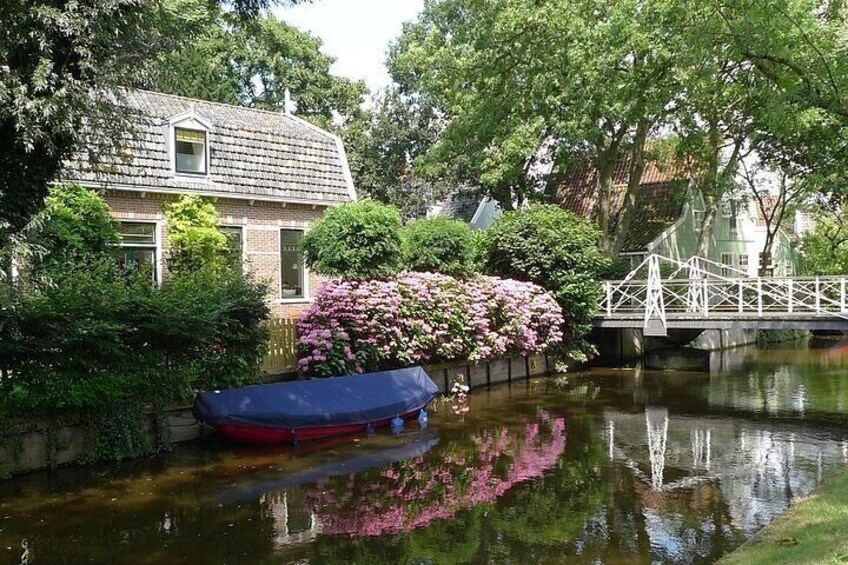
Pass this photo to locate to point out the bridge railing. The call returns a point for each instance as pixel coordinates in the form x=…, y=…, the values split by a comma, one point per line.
x=757, y=296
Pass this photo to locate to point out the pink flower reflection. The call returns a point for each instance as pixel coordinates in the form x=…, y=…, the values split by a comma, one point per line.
x=411, y=494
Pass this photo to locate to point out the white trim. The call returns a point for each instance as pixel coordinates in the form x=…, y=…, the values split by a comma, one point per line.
x=157, y=244
x=243, y=241
x=663, y=235
x=479, y=210
x=207, y=136
x=200, y=192
x=307, y=300
x=306, y=296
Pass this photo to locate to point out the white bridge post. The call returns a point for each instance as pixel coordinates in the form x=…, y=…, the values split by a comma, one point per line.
x=842, y=295
x=655, y=322
x=608, y=288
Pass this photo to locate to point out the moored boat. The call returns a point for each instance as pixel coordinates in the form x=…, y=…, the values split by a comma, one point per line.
x=303, y=410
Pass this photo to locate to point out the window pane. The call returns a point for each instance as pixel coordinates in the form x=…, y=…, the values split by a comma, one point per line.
x=138, y=233
x=190, y=151
x=291, y=264
x=234, y=240
x=139, y=258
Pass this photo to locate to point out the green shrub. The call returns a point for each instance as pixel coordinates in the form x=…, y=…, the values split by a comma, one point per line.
x=440, y=245
x=74, y=222
x=100, y=345
x=193, y=233
x=553, y=248
x=355, y=241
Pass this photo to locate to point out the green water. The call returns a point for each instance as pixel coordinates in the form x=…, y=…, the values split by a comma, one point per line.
x=617, y=466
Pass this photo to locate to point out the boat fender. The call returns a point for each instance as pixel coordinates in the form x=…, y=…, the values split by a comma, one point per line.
x=397, y=423
x=369, y=429
x=423, y=416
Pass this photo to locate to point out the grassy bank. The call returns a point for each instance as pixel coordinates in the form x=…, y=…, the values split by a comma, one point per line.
x=815, y=530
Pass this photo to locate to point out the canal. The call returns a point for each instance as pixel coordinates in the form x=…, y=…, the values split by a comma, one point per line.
x=612, y=466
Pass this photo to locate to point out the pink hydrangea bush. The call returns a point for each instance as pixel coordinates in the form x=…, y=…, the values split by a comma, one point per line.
x=413, y=318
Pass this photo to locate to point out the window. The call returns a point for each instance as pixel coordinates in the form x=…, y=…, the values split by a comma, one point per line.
x=138, y=246
x=291, y=265
x=743, y=262
x=697, y=220
x=190, y=151
x=727, y=264
x=235, y=241
x=733, y=225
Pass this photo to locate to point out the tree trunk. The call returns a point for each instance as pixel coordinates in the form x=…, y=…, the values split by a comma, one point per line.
x=634, y=184
x=710, y=205
x=605, y=166
x=765, y=256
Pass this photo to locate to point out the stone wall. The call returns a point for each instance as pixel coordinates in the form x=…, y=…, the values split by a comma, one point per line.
x=27, y=451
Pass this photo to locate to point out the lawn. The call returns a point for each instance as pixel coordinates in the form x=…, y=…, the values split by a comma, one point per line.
x=815, y=530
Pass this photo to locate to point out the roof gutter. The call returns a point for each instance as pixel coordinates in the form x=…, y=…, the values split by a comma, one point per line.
x=209, y=193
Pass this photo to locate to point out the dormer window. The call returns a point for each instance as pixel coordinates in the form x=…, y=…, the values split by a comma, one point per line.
x=190, y=151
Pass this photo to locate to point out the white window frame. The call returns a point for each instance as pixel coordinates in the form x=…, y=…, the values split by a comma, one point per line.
x=743, y=265
x=193, y=174
x=726, y=268
x=189, y=120
x=306, y=290
x=156, y=245
x=697, y=220
x=243, y=229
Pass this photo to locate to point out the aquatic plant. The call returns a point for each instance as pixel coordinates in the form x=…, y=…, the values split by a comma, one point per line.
x=414, y=318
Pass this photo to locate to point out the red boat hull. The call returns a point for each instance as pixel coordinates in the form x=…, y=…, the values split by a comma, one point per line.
x=266, y=435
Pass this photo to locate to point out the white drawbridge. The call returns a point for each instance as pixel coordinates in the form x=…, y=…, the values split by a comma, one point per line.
x=663, y=293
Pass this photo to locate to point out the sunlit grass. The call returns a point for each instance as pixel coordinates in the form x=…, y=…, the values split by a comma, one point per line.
x=815, y=530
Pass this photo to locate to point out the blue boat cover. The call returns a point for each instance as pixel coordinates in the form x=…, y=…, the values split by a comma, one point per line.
x=336, y=401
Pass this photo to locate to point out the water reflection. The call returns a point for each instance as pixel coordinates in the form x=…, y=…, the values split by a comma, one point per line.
x=619, y=467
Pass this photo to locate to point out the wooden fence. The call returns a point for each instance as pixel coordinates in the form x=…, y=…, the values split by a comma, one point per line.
x=281, y=356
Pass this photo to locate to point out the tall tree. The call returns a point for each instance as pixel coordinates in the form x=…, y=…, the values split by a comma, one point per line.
x=61, y=62
x=251, y=62
x=383, y=146
x=521, y=83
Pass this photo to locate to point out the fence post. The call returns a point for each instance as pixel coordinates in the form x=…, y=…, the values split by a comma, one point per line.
x=608, y=287
x=741, y=308
x=842, y=295
x=759, y=297
x=706, y=298
x=818, y=297
x=789, y=293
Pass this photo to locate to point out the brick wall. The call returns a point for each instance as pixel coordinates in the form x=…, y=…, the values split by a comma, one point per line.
x=261, y=223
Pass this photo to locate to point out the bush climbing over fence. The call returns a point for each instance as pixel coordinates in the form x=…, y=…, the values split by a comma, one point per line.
x=415, y=318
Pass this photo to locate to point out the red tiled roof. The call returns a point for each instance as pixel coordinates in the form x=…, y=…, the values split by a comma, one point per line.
x=659, y=202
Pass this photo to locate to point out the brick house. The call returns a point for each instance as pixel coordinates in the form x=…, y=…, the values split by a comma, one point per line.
x=270, y=176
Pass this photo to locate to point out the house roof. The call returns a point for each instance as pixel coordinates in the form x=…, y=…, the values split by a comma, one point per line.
x=659, y=202
x=253, y=153
x=462, y=206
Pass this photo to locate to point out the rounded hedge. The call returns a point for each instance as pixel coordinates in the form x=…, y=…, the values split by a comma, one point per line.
x=355, y=241
x=440, y=245
x=553, y=248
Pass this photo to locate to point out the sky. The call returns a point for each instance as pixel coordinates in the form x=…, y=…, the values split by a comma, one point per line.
x=355, y=32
